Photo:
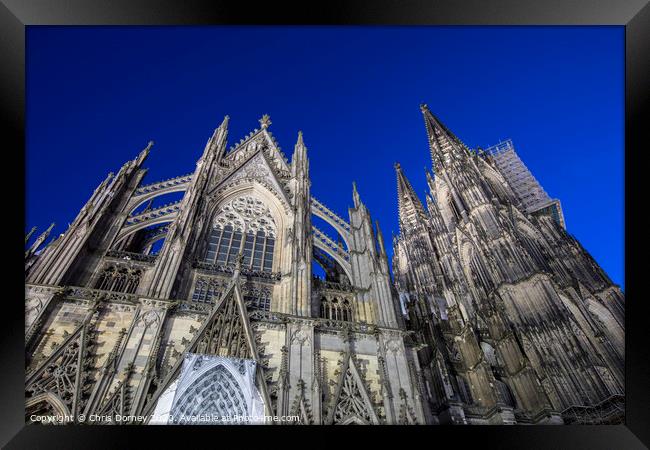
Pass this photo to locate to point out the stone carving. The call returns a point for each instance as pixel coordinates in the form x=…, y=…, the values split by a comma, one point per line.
x=351, y=402
x=470, y=251
x=300, y=336
x=392, y=346
x=246, y=214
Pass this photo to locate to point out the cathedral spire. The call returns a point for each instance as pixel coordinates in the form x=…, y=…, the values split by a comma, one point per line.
x=409, y=204
x=443, y=144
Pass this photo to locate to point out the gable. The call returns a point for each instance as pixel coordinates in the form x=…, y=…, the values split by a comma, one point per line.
x=351, y=402
x=263, y=141
x=226, y=332
x=256, y=168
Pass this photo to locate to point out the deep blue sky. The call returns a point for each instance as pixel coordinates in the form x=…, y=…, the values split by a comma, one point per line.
x=95, y=96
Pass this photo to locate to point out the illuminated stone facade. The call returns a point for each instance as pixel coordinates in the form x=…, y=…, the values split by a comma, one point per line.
x=515, y=321
x=109, y=318
x=494, y=315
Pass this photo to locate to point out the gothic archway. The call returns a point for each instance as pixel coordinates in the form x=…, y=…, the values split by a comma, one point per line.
x=276, y=213
x=214, y=392
x=243, y=224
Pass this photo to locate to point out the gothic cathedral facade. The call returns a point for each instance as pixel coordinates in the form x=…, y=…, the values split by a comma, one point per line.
x=490, y=316
x=108, y=321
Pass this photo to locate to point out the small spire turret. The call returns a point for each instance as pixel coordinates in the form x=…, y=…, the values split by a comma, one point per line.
x=409, y=205
x=355, y=195
x=143, y=154
x=299, y=159
x=380, y=239
x=39, y=241
x=28, y=235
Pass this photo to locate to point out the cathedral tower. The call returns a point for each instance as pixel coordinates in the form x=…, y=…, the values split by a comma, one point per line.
x=510, y=307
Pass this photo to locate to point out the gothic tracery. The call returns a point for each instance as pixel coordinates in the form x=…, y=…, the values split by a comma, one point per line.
x=456, y=338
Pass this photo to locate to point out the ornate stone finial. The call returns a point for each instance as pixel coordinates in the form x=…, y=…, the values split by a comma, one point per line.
x=265, y=121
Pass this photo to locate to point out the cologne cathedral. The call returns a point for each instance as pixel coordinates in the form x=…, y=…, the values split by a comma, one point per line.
x=493, y=313
x=514, y=321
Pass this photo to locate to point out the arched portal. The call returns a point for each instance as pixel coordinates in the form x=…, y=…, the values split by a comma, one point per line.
x=215, y=392
x=45, y=404
x=218, y=388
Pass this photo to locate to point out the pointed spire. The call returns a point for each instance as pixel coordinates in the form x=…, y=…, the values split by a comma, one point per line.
x=300, y=146
x=355, y=195
x=143, y=154
x=409, y=205
x=380, y=239
x=429, y=201
x=429, y=179
x=217, y=142
x=39, y=240
x=443, y=144
x=28, y=235
x=224, y=123
x=299, y=158
x=104, y=183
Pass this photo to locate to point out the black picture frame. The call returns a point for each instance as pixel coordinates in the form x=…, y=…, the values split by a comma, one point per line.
x=634, y=15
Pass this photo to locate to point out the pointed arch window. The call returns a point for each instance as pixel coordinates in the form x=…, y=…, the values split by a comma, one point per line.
x=454, y=208
x=207, y=290
x=336, y=309
x=245, y=225
x=258, y=297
